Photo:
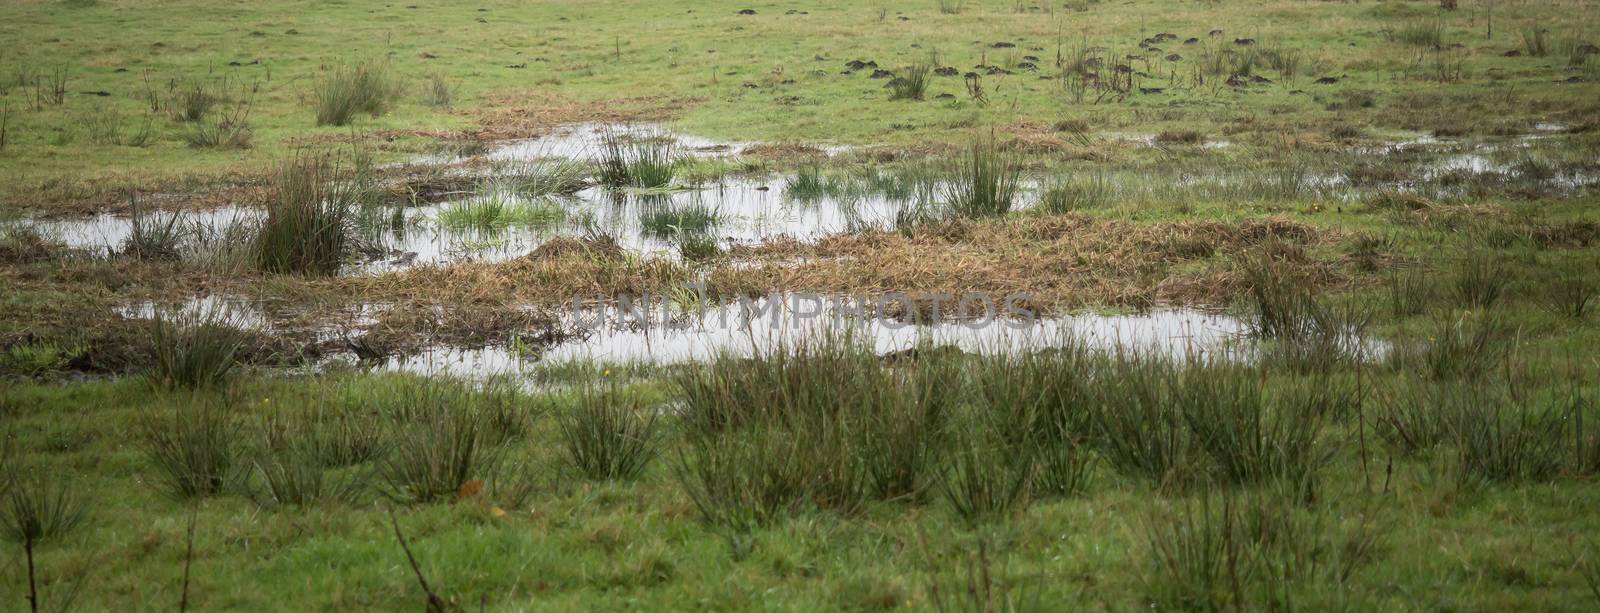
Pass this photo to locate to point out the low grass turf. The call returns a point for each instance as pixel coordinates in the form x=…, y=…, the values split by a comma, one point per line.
x=1411, y=532
x=518, y=68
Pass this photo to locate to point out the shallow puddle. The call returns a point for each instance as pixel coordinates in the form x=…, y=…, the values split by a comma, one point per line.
x=754, y=328
x=108, y=231
x=739, y=211
x=746, y=209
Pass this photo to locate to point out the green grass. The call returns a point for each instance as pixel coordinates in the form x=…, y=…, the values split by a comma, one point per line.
x=609, y=435
x=348, y=89
x=542, y=177
x=748, y=500
x=309, y=222
x=639, y=161
x=196, y=349
x=912, y=84
x=497, y=209
x=984, y=181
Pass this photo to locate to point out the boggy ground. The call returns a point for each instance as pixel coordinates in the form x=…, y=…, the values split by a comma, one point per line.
x=1331, y=173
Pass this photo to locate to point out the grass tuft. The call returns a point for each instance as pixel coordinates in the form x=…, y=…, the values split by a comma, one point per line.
x=297, y=473
x=309, y=221
x=497, y=209
x=542, y=177
x=984, y=182
x=196, y=448
x=438, y=449
x=609, y=435
x=342, y=92
x=912, y=84
x=195, y=349
x=639, y=161
x=37, y=506
x=1480, y=281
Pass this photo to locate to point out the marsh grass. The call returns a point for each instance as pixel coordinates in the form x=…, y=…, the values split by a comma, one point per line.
x=436, y=91
x=1307, y=334
x=300, y=473
x=1198, y=556
x=310, y=219
x=1041, y=405
x=808, y=184
x=1499, y=432
x=1139, y=428
x=337, y=438
x=609, y=434
x=1181, y=137
x=542, y=177
x=1480, y=281
x=740, y=482
x=1504, y=439
x=1535, y=42
x=1286, y=60
x=347, y=89
x=981, y=585
x=230, y=130
x=1408, y=293
x=697, y=247
x=192, y=103
x=196, y=447
x=496, y=209
x=195, y=348
x=36, y=506
x=1418, y=416
x=818, y=425
x=1572, y=297
x=1249, y=436
x=155, y=237
x=984, y=476
x=1465, y=347
x=1246, y=551
x=983, y=181
x=912, y=84
x=438, y=450
x=901, y=435
x=640, y=161
x=1068, y=194
x=1420, y=33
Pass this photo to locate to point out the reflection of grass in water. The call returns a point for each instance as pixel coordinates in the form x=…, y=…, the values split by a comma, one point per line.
x=808, y=184
x=496, y=210
x=482, y=243
x=665, y=220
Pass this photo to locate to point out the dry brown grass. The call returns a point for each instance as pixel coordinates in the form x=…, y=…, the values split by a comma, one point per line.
x=783, y=151
x=527, y=114
x=1061, y=262
x=554, y=274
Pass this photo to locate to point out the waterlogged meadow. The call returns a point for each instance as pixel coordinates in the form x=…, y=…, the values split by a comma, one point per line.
x=920, y=304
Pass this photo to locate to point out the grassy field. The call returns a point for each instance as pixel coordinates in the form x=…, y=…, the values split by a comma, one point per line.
x=1395, y=202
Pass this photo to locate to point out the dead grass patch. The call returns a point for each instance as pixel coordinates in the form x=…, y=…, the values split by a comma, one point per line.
x=783, y=151
x=1061, y=261
x=554, y=274
x=525, y=114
